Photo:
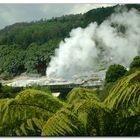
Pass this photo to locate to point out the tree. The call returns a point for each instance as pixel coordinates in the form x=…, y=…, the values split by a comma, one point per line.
x=135, y=63
x=125, y=92
x=38, y=56
x=114, y=72
x=25, y=115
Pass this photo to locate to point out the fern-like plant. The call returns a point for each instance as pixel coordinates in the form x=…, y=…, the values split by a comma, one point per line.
x=124, y=101
x=125, y=93
x=77, y=94
x=83, y=118
x=63, y=123
x=95, y=117
x=20, y=111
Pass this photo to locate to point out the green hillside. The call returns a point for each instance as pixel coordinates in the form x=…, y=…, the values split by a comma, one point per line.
x=113, y=110
x=27, y=47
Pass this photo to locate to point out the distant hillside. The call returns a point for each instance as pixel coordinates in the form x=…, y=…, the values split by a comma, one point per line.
x=27, y=47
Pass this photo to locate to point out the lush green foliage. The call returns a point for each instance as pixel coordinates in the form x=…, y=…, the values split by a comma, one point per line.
x=114, y=72
x=125, y=92
x=27, y=47
x=9, y=92
x=118, y=115
x=34, y=113
x=27, y=112
x=63, y=123
x=123, y=100
x=12, y=61
x=77, y=94
x=94, y=116
x=84, y=118
x=34, y=59
x=103, y=93
x=41, y=88
x=38, y=56
x=135, y=63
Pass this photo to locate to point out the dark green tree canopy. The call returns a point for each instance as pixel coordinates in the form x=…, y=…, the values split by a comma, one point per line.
x=114, y=72
x=135, y=63
x=27, y=47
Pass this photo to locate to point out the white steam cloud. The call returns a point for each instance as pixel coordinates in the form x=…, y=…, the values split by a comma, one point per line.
x=116, y=40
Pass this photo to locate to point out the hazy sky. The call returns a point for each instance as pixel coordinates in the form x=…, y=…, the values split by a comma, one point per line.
x=12, y=13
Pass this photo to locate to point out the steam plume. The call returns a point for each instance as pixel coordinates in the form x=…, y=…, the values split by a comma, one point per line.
x=116, y=40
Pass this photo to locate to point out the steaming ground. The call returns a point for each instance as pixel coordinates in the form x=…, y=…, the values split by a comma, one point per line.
x=116, y=40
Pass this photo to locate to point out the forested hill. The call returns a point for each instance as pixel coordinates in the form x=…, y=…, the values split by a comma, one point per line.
x=27, y=47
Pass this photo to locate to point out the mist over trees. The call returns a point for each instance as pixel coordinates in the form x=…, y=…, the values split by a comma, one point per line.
x=27, y=47
x=113, y=110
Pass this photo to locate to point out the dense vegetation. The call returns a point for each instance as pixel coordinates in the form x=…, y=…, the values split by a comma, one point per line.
x=114, y=72
x=26, y=113
x=111, y=111
x=37, y=113
x=27, y=47
x=135, y=64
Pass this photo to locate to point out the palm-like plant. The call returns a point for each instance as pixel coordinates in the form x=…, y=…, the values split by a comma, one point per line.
x=63, y=123
x=94, y=116
x=77, y=94
x=29, y=104
x=83, y=116
x=124, y=101
x=34, y=112
x=125, y=92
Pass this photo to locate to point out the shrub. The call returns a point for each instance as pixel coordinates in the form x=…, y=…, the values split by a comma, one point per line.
x=114, y=72
x=77, y=94
x=135, y=64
